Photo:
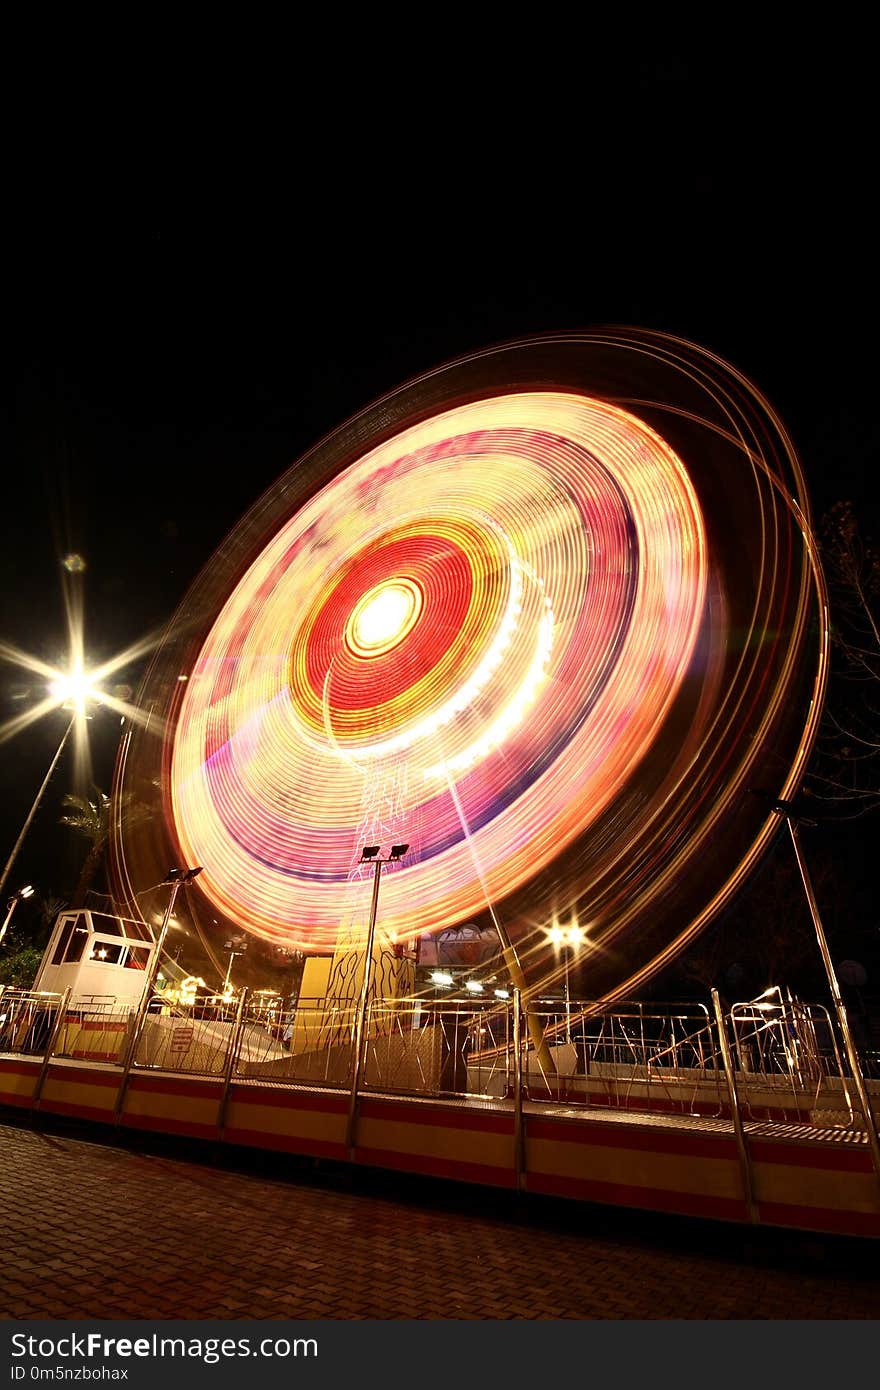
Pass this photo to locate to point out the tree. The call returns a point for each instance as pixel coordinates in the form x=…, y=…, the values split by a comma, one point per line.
x=20, y=964
x=49, y=907
x=91, y=817
x=846, y=767
x=764, y=937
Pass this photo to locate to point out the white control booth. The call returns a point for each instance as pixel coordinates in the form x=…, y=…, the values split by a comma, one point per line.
x=100, y=957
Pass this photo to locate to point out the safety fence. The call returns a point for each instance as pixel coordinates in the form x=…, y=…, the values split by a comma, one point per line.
x=27, y=1020
x=784, y=1060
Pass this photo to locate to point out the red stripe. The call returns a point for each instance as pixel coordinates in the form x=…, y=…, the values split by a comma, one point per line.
x=168, y=1086
x=664, y=1105
x=10, y=1098
x=95, y=1025
x=81, y=1076
x=626, y=1195
x=335, y=1104
x=844, y=1223
x=20, y=1068
x=192, y=1128
x=483, y=1173
x=839, y=1159
x=625, y=1137
x=317, y=1148
x=82, y=1112
x=479, y=1121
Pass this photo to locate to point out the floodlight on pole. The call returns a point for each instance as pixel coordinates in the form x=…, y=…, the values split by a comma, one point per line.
x=177, y=878
x=38, y=798
x=567, y=939
x=369, y=854
x=26, y=892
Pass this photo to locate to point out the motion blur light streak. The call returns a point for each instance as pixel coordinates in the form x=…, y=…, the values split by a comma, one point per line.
x=557, y=583
x=247, y=755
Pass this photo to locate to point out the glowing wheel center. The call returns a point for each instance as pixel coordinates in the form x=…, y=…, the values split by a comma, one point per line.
x=383, y=617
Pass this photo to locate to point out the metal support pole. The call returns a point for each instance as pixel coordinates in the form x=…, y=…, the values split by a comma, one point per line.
x=360, y=1025
x=50, y=1048
x=232, y=1053
x=745, y=1162
x=33, y=811
x=851, y=1050
x=141, y=1015
x=8, y=918
x=519, y=1148
x=567, y=997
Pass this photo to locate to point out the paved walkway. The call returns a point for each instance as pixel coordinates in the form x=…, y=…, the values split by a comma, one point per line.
x=92, y=1230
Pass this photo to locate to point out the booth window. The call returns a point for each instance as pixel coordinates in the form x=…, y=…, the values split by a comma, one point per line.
x=61, y=944
x=106, y=952
x=77, y=944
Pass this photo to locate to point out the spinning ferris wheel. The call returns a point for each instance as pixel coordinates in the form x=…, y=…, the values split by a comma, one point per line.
x=558, y=598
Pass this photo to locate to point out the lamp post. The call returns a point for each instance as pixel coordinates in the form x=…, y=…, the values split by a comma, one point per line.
x=39, y=797
x=25, y=892
x=567, y=939
x=176, y=878
x=369, y=855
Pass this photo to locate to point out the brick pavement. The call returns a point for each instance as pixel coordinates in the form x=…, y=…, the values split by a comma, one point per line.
x=92, y=1229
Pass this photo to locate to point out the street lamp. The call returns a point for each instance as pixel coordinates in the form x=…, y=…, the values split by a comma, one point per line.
x=25, y=892
x=176, y=878
x=38, y=798
x=566, y=939
x=236, y=946
x=69, y=690
x=370, y=854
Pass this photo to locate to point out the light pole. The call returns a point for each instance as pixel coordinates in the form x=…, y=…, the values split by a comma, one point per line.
x=790, y=815
x=369, y=855
x=176, y=878
x=566, y=939
x=39, y=797
x=25, y=892
x=236, y=947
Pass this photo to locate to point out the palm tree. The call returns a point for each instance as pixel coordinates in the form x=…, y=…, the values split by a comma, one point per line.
x=49, y=908
x=91, y=817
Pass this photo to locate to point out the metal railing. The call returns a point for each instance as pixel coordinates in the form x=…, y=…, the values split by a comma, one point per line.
x=311, y=1043
x=95, y=1029
x=784, y=1056
x=633, y=1057
x=439, y=1047
x=193, y=1038
x=27, y=1018
x=788, y=1062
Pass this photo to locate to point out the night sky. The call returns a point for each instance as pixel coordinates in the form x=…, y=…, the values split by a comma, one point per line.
x=167, y=367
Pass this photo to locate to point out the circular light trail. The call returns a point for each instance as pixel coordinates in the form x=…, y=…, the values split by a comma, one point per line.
x=559, y=592
x=561, y=554
x=383, y=617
